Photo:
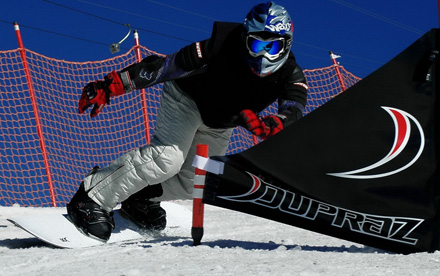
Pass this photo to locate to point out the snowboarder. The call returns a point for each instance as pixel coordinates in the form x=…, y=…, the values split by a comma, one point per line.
x=209, y=87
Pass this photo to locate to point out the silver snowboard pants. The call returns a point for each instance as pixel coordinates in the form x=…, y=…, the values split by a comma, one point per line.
x=168, y=158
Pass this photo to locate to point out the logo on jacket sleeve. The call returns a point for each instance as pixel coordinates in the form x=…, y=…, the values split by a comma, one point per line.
x=199, y=50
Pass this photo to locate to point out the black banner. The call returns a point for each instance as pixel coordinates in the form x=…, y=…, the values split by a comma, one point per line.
x=363, y=167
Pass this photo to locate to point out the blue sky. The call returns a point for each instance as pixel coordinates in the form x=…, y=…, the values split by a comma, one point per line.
x=366, y=34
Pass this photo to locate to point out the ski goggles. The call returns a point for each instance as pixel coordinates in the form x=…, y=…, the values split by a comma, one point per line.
x=271, y=48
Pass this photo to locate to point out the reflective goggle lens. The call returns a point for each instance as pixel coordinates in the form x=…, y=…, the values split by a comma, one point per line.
x=272, y=47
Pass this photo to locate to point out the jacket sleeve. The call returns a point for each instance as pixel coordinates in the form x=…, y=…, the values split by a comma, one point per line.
x=293, y=101
x=154, y=69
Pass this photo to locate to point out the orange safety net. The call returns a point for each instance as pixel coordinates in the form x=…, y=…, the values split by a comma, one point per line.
x=74, y=143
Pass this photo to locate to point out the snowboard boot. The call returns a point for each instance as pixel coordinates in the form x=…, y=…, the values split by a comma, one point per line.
x=88, y=216
x=145, y=213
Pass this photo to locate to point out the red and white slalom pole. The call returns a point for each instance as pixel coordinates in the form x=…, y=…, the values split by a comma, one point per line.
x=198, y=206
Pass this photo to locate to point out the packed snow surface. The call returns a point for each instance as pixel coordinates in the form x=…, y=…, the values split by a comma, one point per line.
x=233, y=244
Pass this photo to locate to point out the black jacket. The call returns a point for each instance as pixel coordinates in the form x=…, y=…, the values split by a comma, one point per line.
x=215, y=74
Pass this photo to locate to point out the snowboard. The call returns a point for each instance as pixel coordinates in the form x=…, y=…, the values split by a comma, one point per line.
x=55, y=228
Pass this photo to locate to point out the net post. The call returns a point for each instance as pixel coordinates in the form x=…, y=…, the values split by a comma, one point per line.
x=36, y=114
x=338, y=71
x=198, y=206
x=143, y=91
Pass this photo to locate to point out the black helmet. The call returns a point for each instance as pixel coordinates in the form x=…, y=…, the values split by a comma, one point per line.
x=268, y=37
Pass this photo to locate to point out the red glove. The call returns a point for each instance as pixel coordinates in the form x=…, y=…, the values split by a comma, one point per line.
x=261, y=127
x=99, y=93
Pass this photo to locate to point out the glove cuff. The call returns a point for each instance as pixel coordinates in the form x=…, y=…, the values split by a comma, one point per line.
x=282, y=117
x=115, y=85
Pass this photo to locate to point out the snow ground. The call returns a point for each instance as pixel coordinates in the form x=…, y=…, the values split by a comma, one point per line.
x=233, y=244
